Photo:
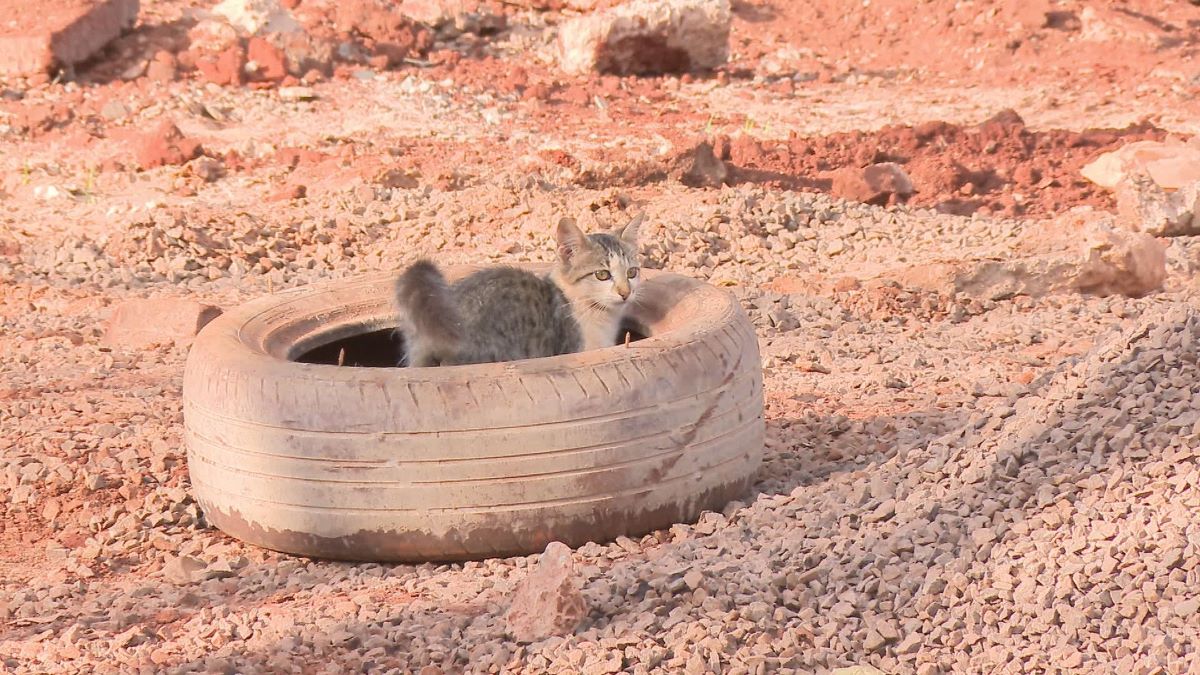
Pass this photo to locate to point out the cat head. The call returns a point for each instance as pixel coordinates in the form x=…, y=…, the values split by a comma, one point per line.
x=601, y=268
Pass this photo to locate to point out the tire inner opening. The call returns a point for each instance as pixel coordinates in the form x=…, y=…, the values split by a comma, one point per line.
x=384, y=348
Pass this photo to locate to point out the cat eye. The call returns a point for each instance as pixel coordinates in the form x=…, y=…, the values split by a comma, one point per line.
x=603, y=275
x=633, y=272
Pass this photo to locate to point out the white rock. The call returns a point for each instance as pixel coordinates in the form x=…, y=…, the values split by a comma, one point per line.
x=212, y=36
x=1143, y=206
x=648, y=36
x=297, y=93
x=256, y=17
x=1171, y=165
x=1103, y=24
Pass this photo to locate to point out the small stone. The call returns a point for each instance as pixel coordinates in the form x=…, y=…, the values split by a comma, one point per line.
x=756, y=611
x=163, y=67
x=858, y=670
x=549, y=601
x=910, y=644
x=107, y=430
x=207, y=169
x=264, y=61
x=224, y=67
x=297, y=93
x=874, y=642
x=143, y=322
x=1187, y=608
x=114, y=110
x=604, y=666
x=982, y=536
x=220, y=569
x=885, y=510
x=397, y=179
x=51, y=510
x=184, y=570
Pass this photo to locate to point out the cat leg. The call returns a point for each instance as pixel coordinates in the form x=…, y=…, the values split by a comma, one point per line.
x=421, y=355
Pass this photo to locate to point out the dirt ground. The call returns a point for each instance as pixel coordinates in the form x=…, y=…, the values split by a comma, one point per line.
x=954, y=482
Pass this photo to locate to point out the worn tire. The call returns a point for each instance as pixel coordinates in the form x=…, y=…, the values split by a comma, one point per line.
x=467, y=462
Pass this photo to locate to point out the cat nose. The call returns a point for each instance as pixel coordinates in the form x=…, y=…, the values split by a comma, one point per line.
x=623, y=291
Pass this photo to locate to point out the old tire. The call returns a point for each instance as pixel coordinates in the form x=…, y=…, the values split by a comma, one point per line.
x=467, y=462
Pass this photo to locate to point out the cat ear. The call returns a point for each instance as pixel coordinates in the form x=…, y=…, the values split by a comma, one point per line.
x=570, y=239
x=629, y=233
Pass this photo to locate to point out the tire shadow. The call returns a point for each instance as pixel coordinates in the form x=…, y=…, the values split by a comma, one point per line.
x=810, y=449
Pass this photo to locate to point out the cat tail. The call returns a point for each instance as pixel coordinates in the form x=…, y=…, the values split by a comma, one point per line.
x=424, y=296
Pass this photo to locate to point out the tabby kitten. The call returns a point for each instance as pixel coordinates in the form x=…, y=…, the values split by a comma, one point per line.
x=506, y=314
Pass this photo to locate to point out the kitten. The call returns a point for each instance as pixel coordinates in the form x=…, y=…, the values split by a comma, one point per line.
x=506, y=314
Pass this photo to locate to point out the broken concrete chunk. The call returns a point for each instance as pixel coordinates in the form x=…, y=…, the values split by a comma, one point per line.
x=140, y=323
x=648, y=36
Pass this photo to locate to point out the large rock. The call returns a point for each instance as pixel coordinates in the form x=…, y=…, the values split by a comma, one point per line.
x=257, y=17
x=698, y=166
x=141, y=323
x=1114, y=261
x=549, y=601
x=1111, y=24
x=1171, y=165
x=648, y=36
x=35, y=35
x=451, y=17
x=1143, y=206
x=877, y=184
x=1083, y=252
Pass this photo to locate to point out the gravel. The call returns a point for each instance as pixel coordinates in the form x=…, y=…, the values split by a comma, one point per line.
x=950, y=486
x=952, y=483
